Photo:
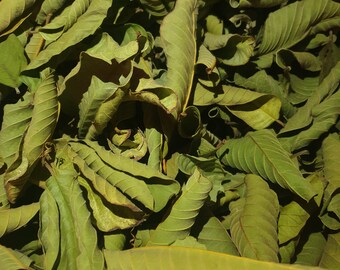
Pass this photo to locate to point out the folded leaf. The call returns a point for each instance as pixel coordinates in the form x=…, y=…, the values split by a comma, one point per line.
x=212, y=233
x=12, y=10
x=230, y=49
x=109, y=217
x=161, y=187
x=256, y=109
x=13, y=60
x=330, y=148
x=312, y=250
x=158, y=8
x=15, y=218
x=49, y=230
x=85, y=26
x=78, y=239
x=254, y=221
x=260, y=152
x=255, y=3
x=177, y=34
x=330, y=258
x=9, y=259
x=16, y=120
x=64, y=20
x=97, y=93
x=49, y=7
x=178, y=223
x=298, y=20
x=263, y=83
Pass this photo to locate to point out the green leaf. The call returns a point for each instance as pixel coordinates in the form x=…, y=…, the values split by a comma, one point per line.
x=302, y=87
x=260, y=152
x=109, y=217
x=44, y=118
x=287, y=59
x=263, y=83
x=78, y=238
x=158, y=8
x=64, y=20
x=287, y=251
x=254, y=221
x=189, y=122
x=298, y=20
x=154, y=137
x=161, y=187
x=212, y=233
x=115, y=240
x=230, y=49
x=126, y=183
x=255, y=3
x=330, y=148
x=177, y=34
x=49, y=7
x=186, y=258
x=85, y=26
x=256, y=109
x=206, y=69
x=10, y=11
x=9, y=259
x=14, y=218
x=330, y=258
x=304, y=116
x=16, y=120
x=13, y=59
x=178, y=223
x=293, y=218
x=312, y=250
x=324, y=116
x=49, y=230
x=97, y=93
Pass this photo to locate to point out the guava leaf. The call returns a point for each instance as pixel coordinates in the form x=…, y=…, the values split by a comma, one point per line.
x=178, y=223
x=261, y=153
x=13, y=60
x=177, y=34
x=15, y=218
x=254, y=221
x=256, y=109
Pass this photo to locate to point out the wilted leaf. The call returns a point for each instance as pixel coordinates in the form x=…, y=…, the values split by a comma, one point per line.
x=12, y=10
x=178, y=223
x=177, y=33
x=15, y=218
x=254, y=221
x=260, y=152
x=298, y=20
x=257, y=110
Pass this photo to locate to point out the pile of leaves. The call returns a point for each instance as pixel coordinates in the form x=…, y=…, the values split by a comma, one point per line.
x=186, y=134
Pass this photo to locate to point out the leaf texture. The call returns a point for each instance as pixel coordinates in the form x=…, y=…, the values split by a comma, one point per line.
x=298, y=19
x=9, y=259
x=152, y=257
x=312, y=250
x=16, y=120
x=15, y=218
x=49, y=7
x=85, y=26
x=255, y=3
x=65, y=20
x=78, y=237
x=49, y=230
x=256, y=239
x=177, y=33
x=256, y=109
x=98, y=92
x=261, y=153
x=330, y=258
x=127, y=184
x=178, y=223
x=12, y=10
